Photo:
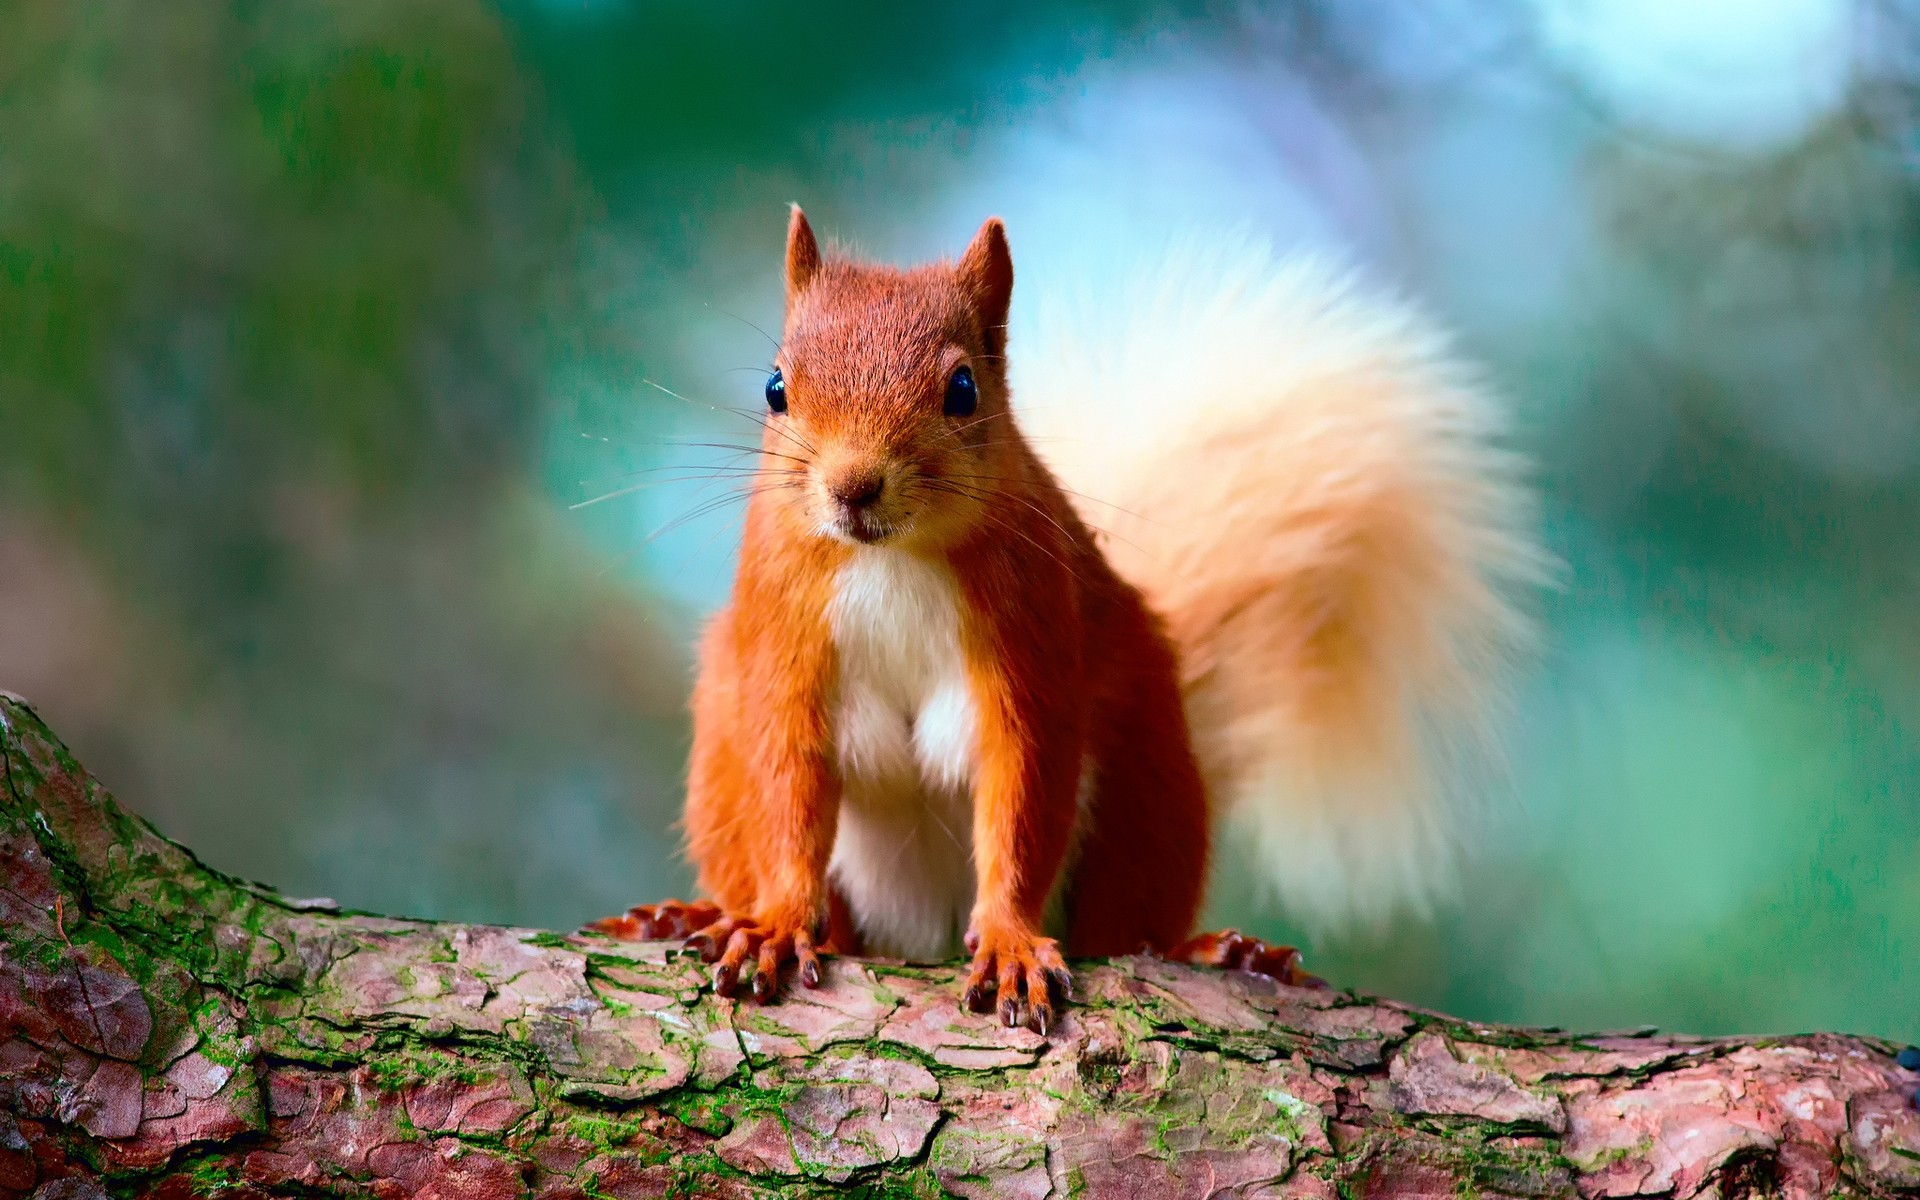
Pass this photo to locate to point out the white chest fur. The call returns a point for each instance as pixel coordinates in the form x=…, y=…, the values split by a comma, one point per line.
x=904, y=735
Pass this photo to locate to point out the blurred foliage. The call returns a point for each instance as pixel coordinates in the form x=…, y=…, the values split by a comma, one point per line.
x=278, y=284
x=316, y=316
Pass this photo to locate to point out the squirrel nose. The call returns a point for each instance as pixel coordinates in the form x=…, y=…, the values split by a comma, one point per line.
x=859, y=491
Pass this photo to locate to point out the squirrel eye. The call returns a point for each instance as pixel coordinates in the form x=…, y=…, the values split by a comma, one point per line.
x=963, y=394
x=777, y=391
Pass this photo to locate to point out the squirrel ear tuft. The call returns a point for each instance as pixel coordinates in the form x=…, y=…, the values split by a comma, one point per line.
x=803, y=254
x=985, y=272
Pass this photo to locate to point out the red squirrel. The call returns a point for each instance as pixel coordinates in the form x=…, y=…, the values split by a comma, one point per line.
x=938, y=713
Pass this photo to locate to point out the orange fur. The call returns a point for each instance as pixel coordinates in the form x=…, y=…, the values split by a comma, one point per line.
x=922, y=624
x=1063, y=662
x=1307, y=485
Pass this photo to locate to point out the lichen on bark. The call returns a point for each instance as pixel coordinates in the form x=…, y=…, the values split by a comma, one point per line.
x=168, y=1030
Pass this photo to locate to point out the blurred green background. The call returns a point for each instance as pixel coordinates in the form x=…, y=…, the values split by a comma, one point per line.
x=317, y=317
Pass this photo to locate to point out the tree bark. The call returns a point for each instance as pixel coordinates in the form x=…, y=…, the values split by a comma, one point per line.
x=169, y=1030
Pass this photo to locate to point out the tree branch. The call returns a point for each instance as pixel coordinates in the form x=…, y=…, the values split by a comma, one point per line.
x=168, y=1030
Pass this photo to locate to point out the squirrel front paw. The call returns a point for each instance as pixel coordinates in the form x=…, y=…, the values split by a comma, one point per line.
x=736, y=944
x=1023, y=970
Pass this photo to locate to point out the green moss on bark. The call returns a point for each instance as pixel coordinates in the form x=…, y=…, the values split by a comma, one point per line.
x=171, y=1029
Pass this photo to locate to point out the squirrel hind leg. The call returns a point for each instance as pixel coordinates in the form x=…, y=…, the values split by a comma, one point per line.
x=1140, y=868
x=1231, y=950
x=843, y=937
x=669, y=920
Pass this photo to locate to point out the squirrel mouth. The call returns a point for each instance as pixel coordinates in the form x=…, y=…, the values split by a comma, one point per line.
x=857, y=525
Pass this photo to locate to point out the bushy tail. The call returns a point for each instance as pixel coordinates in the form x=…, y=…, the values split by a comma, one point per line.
x=1307, y=487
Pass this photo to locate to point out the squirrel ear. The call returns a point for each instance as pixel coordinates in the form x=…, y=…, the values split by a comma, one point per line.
x=803, y=254
x=985, y=272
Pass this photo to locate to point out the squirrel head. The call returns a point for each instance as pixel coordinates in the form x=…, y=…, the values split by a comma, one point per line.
x=889, y=404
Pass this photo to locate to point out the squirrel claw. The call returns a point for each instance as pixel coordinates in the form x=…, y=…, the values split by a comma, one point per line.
x=668, y=920
x=741, y=946
x=1231, y=950
x=1024, y=972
